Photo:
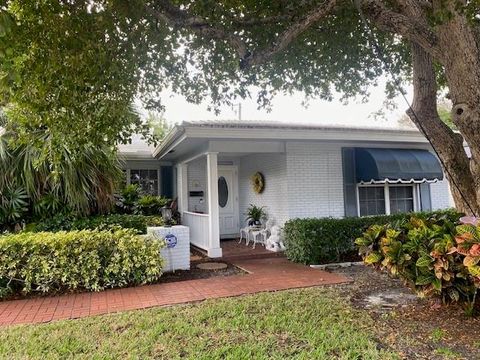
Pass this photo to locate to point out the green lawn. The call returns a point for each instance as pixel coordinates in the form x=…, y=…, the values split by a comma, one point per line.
x=305, y=324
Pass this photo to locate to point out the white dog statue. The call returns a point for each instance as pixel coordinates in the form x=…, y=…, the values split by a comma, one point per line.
x=274, y=241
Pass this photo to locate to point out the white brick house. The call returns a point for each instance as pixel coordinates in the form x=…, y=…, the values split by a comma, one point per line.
x=309, y=171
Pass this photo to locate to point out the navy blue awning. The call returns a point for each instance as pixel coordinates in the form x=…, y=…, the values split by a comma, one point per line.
x=396, y=165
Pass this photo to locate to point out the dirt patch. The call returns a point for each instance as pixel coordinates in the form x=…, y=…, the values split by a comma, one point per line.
x=196, y=258
x=212, y=266
x=415, y=328
x=196, y=273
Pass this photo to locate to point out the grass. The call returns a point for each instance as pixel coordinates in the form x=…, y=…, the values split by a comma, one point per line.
x=303, y=324
x=447, y=353
x=437, y=334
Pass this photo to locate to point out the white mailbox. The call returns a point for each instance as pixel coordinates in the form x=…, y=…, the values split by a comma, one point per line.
x=176, y=253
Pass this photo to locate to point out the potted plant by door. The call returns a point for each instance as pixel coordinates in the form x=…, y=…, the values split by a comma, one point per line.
x=255, y=215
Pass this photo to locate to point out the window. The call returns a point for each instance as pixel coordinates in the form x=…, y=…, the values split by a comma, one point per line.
x=401, y=199
x=371, y=200
x=147, y=179
x=386, y=199
x=222, y=192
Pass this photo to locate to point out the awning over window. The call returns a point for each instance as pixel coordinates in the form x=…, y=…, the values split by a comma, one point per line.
x=377, y=165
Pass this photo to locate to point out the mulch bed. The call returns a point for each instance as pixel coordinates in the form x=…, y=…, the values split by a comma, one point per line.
x=415, y=328
x=196, y=273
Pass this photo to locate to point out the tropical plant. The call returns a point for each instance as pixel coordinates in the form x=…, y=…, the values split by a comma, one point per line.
x=83, y=183
x=151, y=204
x=13, y=206
x=126, y=201
x=433, y=255
x=255, y=214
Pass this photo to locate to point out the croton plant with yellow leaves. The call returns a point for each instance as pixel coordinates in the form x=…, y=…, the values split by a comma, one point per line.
x=436, y=255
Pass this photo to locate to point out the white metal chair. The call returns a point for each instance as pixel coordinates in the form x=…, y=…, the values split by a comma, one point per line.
x=245, y=232
x=260, y=236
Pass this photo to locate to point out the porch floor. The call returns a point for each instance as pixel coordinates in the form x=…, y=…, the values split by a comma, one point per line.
x=233, y=251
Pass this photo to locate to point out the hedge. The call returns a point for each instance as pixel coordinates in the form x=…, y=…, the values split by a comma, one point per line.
x=87, y=260
x=436, y=256
x=325, y=240
x=101, y=222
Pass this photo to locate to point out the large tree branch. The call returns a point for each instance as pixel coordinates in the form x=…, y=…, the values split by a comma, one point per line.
x=447, y=144
x=291, y=33
x=167, y=12
x=179, y=18
x=410, y=27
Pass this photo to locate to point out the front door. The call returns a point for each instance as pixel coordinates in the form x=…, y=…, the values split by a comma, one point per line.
x=228, y=201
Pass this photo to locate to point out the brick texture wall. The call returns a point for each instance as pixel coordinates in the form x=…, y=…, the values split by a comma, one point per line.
x=275, y=196
x=177, y=257
x=441, y=196
x=315, y=180
x=197, y=181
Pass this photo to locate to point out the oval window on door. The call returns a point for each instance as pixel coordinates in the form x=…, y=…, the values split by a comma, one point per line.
x=222, y=192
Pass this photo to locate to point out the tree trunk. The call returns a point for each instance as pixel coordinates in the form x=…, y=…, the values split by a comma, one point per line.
x=461, y=61
x=447, y=144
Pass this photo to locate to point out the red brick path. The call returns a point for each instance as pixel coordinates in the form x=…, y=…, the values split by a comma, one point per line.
x=265, y=275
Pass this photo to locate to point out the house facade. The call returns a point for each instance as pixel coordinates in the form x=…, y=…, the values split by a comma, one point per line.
x=308, y=171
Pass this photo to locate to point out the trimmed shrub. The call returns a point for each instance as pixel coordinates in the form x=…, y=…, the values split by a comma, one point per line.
x=325, y=240
x=434, y=255
x=101, y=222
x=84, y=260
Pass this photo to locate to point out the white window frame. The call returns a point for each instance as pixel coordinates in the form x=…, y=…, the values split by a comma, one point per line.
x=386, y=189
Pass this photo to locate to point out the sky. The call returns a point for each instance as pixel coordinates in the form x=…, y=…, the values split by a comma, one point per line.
x=289, y=108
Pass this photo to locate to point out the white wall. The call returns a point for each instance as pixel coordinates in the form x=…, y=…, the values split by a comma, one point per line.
x=441, y=195
x=307, y=181
x=315, y=180
x=275, y=196
x=197, y=181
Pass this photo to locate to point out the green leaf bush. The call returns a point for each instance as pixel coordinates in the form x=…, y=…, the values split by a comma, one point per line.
x=325, y=240
x=77, y=260
x=435, y=256
x=151, y=205
x=102, y=222
x=131, y=200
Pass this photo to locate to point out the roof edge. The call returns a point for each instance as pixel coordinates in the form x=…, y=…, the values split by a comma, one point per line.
x=169, y=139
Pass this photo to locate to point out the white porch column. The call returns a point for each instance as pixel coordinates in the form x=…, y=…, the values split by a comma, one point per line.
x=182, y=187
x=213, y=213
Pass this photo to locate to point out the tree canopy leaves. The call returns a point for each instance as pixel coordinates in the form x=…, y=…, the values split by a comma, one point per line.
x=73, y=68
x=70, y=69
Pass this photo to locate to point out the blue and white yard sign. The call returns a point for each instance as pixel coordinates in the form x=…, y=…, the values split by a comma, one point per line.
x=171, y=241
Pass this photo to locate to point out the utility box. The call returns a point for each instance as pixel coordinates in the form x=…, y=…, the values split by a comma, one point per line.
x=176, y=253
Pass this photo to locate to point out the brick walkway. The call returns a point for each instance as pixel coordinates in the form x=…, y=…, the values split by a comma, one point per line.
x=264, y=275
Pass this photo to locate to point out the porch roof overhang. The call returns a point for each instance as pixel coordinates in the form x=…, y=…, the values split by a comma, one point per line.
x=375, y=165
x=231, y=136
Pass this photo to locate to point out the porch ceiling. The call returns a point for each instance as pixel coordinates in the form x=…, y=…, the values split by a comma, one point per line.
x=192, y=147
x=185, y=148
